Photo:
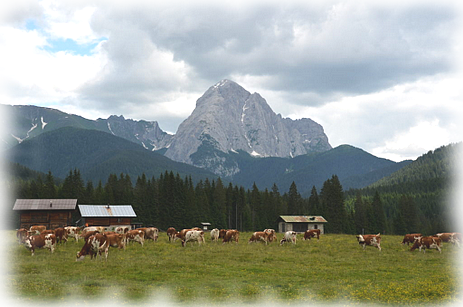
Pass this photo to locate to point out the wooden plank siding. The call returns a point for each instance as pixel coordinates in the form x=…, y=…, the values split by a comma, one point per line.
x=51, y=219
x=107, y=221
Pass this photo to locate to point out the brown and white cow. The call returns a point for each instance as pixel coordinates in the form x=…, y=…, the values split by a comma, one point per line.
x=115, y=240
x=171, y=233
x=215, y=234
x=222, y=233
x=410, y=238
x=73, y=231
x=259, y=236
x=181, y=234
x=135, y=235
x=150, y=233
x=194, y=235
x=271, y=234
x=231, y=235
x=427, y=243
x=312, y=233
x=87, y=234
x=100, y=229
x=61, y=234
x=93, y=246
x=37, y=229
x=289, y=236
x=371, y=240
x=21, y=235
x=122, y=229
x=40, y=241
x=450, y=237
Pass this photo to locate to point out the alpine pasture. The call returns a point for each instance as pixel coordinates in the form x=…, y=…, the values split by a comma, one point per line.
x=330, y=270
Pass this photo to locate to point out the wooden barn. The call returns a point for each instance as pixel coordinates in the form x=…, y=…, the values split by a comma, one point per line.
x=300, y=223
x=106, y=215
x=52, y=213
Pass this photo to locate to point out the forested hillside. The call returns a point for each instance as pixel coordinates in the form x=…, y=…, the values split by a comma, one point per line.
x=415, y=198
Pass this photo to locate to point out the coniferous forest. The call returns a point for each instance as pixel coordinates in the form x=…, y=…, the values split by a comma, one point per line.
x=404, y=206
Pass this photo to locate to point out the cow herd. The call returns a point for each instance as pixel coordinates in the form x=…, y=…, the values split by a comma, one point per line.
x=418, y=241
x=97, y=240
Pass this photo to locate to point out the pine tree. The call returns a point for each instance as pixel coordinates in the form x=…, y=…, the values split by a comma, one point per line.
x=294, y=200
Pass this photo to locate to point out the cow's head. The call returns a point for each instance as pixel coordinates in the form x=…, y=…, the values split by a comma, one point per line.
x=360, y=239
x=79, y=256
x=28, y=242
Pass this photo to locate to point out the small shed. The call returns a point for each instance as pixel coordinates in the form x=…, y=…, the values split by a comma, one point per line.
x=300, y=223
x=107, y=215
x=205, y=225
x=52, y=213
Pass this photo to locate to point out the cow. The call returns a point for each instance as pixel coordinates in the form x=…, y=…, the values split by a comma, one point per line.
x=171, y=233
x=427, y=242
x=312, y=233
x=194, y=235
x=181, y=234
x=115, y=240
x=259, y=236
x=410, y=238
x=73, y=231
x=37, y=229
x=215, y=234
x=135, y=235
x=289, y=236
x=122, y=229
x=150, y=233
x=100, y=229
x=271, y=234
x=231, y=235
x=222, y=233
x=40, y=241
x=94, y=245
x=21, y=235
x=451, y=237
x=371, y=240
x=86, y=235
x=61, y=234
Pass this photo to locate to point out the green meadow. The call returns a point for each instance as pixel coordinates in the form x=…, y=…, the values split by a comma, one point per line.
x=331, y=270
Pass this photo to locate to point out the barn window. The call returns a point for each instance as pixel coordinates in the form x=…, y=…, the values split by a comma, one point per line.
x=315, y=226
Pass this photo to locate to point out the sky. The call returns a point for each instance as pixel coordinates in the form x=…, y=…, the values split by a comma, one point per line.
x=384, y=76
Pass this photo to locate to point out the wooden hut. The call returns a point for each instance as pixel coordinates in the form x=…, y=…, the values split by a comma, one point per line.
x=109, y=216
x=300, y=223
x=52, y=213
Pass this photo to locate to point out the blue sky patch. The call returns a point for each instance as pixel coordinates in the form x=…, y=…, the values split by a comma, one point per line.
x=71, y=46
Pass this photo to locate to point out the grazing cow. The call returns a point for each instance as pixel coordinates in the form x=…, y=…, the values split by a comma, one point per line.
x=100, y=229
x=73, y=231
x=115, y=240
x=271, y=234
x=289, y=236
x=40, y=241
x=222, y=233
x=135, y=235
x=61, y=234
x=451, y=237
x=122, y=229
x=312, y=233
x=259, y=236
x=181, y=234
x=87, y=234
x=215, y=234
x=371, y=240
x=427, y=242
x=150, y=233
x=171, y=233
x=37, y=229
x=194, y=235
x=22, y=234
x=93, y=246
x=410, y=238
x=231, y=235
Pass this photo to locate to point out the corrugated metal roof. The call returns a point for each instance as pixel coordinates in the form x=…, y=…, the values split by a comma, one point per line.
x=106, y=211
x=45, y=204
x=303, y=219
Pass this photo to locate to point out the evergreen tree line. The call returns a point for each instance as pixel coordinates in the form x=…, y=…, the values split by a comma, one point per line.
x=174, y=201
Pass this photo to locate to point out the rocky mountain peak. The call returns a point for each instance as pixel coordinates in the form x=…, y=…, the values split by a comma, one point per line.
x=229, y=118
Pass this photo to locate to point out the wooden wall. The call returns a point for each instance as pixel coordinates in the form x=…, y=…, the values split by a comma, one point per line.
x=107, y=221
x=51, y=219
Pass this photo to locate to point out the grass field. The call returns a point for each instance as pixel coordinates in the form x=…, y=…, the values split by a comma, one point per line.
x=333, y=269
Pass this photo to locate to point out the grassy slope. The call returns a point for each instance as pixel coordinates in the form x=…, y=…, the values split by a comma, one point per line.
x=333, y=269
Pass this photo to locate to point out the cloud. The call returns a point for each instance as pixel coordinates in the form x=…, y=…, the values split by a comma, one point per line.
x=151, y=60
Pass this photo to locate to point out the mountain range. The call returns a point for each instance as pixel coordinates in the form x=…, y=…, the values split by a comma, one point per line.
x=231, y=133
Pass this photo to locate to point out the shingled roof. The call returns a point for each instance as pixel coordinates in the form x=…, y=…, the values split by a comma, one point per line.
x=45, y=204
